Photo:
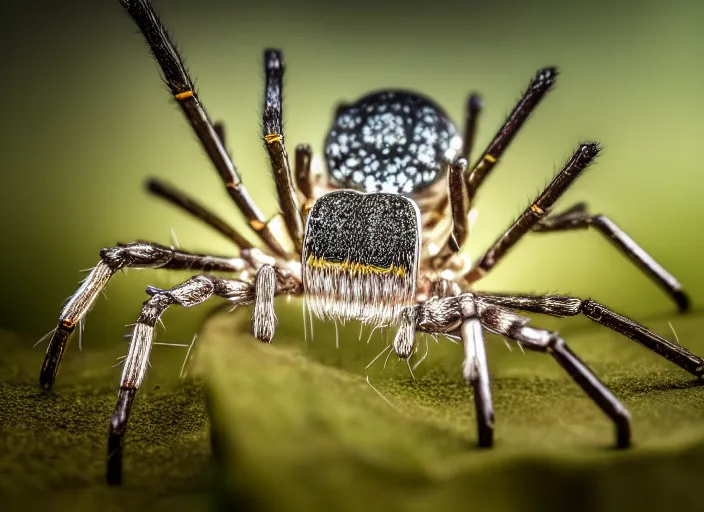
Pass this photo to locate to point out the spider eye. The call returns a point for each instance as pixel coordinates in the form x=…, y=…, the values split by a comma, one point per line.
x=389, y=141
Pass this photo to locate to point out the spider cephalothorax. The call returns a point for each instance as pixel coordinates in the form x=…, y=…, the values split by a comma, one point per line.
x=366, y=253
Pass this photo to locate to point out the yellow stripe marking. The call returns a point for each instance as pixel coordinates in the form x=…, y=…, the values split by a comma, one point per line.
x=354, y=267
x=537, y=209
x=490, y=158
x=183, y=95
x=272, y=137
x=257, y=224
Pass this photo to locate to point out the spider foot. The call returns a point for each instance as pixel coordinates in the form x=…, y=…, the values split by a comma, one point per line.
x=116, y=439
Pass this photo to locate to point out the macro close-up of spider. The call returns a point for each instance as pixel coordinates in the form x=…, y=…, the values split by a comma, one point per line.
x=377, y=238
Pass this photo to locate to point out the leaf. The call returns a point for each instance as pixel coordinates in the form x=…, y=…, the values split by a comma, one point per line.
x=298, y=427
x=53, y=445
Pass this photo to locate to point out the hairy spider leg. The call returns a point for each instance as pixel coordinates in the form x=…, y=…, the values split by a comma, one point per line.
x=461, y=200
x=112, y=259
x=192, y=292
x=473, y=110
x=475, y=371
x=577, y=217
x=272, y=128
x=181, y=86
x=564, y=306
x=512, y=326
x=535, y=218
x=304, y=178
x=447, y=315
x=538, y=87
x=572, y=169
x=459, y=206
x=179, y=198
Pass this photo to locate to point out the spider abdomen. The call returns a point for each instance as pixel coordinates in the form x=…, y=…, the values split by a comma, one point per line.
x=360, y=256
x=389, y=141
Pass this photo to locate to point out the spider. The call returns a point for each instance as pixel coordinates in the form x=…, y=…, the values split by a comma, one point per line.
x=378, y=239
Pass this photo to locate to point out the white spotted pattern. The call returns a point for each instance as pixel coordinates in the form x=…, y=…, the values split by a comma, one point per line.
x=389, y=141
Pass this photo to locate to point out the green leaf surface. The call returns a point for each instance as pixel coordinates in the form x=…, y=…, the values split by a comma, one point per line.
x=53, y=445
x=299, y=427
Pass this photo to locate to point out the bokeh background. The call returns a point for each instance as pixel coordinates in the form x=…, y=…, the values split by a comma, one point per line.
x=86, y=120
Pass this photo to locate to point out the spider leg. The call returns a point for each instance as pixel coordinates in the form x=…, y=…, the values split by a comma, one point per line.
x=541, y=84
x=462, y=193
x=459, y=206
x=476, y=371
x=264, y=319
x=577, y=217
x=458, y=195
x=472, y=112
x=112, y=259
x=510, y=325
x=304, y=178
x=190, y=293
x=274, y=141
x=572, y=169
x=181, y=86
x=463, y=190
x=563, y=306
x=182, y=200
x=445, y=316
x=435, y=210
x=185, y=202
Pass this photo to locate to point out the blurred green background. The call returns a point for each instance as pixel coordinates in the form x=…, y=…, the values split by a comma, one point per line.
x=86, y=120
